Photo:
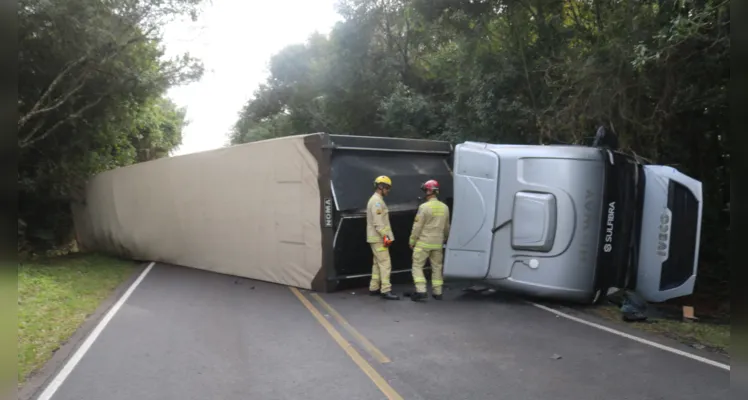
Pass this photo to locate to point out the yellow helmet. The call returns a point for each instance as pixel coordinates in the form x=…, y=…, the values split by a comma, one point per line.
x=383, y=180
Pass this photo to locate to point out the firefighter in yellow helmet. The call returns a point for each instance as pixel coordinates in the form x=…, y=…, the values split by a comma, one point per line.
x=379, y=236
x=430, y=230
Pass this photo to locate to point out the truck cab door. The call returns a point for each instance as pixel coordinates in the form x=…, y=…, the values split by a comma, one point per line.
x=476, y=172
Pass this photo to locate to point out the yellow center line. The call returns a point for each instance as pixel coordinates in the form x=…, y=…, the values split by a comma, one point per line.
x=381, y=383
x=370, y=348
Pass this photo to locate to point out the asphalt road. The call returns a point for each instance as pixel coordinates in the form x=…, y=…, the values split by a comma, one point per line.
x=190, y=334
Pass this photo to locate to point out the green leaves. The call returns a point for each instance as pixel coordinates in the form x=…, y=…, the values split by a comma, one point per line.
x=77, y=54
x=157, y=130
x=92, y=79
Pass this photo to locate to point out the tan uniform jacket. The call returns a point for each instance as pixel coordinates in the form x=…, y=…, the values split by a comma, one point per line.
x=377, y=220
x=431, y=226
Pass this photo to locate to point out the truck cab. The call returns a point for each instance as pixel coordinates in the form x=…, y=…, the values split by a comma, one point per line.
x=569, y=222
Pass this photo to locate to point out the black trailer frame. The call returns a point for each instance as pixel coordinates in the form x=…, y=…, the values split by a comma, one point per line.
x=348, y=166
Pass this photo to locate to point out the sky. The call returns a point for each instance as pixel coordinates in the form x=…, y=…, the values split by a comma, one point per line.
x=235, y=40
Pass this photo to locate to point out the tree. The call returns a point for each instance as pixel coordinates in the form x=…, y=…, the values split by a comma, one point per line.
x=67, y=45
x=92, y=80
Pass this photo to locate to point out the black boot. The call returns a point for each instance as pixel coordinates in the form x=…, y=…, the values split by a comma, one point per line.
x=436, y=296
x=419, y=296
x=374, y=292
x=390, y=296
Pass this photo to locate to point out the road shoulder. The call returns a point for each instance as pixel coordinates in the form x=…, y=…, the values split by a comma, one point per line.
x=609, y=317
x=38, y=380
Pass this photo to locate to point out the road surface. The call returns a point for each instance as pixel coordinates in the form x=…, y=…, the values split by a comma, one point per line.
x=191, y=334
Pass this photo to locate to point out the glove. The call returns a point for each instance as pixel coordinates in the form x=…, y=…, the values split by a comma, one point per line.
x=387, y=241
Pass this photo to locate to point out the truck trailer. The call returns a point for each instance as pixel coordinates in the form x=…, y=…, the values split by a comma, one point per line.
x=289, y=210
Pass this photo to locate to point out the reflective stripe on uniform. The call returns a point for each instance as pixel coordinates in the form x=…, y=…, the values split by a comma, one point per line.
x=375, y=238
x=375, y=277
x=437, y=282
x=382, y=249
x=437, y=210
x=419, y=280
x=428, y=246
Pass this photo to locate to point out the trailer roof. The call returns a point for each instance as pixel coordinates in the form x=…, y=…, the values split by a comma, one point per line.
x=374, y=143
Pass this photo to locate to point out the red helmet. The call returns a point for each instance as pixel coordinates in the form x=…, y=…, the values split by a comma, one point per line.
x=430, y=185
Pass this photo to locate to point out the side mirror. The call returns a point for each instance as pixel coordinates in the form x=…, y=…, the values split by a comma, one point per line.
x=605, y=139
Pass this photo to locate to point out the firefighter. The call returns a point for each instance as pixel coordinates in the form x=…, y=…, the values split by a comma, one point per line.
x=430, y=230
x=379, y=236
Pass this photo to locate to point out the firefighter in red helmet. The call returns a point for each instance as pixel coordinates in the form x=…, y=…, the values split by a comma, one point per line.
x=430, y=230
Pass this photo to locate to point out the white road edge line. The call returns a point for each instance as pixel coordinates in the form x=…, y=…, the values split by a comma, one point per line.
x=50, y=390
x=634, y=338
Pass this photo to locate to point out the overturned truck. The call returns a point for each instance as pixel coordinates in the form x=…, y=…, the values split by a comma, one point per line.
x=564, y=222
x=288, y=210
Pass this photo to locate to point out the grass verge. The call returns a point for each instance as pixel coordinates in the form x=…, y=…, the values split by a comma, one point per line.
x=55, y=296
x=715, y=337
x=8, y=288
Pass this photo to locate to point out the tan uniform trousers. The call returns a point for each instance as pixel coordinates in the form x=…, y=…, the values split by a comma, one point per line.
x=381, y=269
x=436, y=258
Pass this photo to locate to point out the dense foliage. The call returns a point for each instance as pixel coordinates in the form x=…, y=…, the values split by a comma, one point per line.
x=92, y=79
x=521, y=71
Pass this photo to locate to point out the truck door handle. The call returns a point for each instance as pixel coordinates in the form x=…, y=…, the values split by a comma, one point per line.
x=494, y=230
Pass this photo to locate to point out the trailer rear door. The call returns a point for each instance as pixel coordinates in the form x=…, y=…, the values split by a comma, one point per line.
x=355, y=162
